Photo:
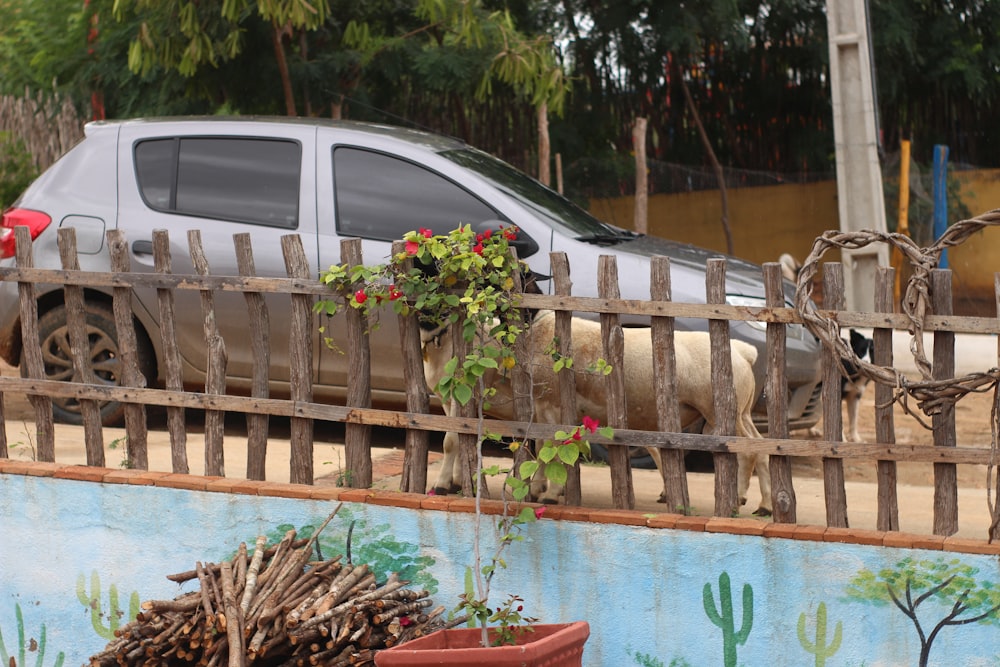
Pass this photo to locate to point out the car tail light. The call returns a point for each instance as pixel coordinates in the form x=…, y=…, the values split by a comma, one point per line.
x=35, y=221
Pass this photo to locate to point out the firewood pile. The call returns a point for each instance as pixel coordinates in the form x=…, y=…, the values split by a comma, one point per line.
x=276, y=606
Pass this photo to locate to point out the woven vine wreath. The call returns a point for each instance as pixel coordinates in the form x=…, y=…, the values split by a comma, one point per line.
x=931, y=396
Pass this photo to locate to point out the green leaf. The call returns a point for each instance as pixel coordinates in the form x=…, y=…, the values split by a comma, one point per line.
x=556, y=473
x=569, y=454
x=462, y=393
x=528, y=469
x=547, y=452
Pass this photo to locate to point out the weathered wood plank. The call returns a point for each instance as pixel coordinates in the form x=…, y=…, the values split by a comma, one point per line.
x=563, y=286
x=135, y=415
x=833, y=428
x=173, y=374
x=726, y=488
x=885, y=430
x=776, y=389
x=357, y=437
x=312, y=287
x=992, y=471
x=215, y=364
x=32, y=351
x=943, y=423
x=76, y=322
x=622, y=490
x=260, y=345
x=300, y=360
x=672, y=467
x=414, y=478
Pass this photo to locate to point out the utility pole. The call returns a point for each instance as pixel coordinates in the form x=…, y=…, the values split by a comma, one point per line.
x=859, y=177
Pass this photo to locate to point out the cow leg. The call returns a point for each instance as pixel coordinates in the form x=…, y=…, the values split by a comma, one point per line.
x=447, y=477
x=747, y=463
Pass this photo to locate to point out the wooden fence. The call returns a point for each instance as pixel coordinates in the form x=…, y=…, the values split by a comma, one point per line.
x=419, y=420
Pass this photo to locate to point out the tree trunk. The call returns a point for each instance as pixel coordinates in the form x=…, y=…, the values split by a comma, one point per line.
x=278, y=33
x=720, y=175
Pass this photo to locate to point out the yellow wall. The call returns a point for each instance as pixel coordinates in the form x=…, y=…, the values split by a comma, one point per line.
x=767, y=221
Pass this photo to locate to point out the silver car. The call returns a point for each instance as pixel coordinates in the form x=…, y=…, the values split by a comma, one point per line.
x=324, y=180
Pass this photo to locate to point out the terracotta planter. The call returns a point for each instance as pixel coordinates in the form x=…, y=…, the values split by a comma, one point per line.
x=555, y=645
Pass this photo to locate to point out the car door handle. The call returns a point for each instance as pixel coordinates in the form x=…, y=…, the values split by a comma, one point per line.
x=142, y=248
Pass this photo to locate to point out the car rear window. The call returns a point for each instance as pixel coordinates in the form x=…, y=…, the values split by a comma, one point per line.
x=239, y=179
x=382, y=197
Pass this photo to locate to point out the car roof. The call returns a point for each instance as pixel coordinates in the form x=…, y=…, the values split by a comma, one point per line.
x=432, y=141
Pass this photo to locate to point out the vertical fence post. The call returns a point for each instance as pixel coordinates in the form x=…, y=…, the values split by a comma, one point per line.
x=943, y=423
x=776, y=389
x=833, y=426
x=258, y=424
x=300, y=360
x=135, y=413
x=885, y=431
x=672, y=468
x=357, y=437
x=622, y=491
x=215, y=377
x=726, y=493
x=32, y=351
x=567, y=377
x=414, y=479
x=173, y=372
x=76, y=322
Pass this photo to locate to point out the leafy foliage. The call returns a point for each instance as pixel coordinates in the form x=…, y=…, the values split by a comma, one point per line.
x=17, y=170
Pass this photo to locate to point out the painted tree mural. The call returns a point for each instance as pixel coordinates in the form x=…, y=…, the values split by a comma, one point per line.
x=948, y=586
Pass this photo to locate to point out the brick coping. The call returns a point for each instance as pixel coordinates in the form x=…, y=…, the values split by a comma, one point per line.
x=733, y=526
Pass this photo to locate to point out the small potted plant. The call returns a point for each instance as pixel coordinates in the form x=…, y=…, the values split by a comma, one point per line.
x=467, y=280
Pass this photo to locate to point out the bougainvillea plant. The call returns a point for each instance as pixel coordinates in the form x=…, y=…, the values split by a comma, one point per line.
x=469, y=280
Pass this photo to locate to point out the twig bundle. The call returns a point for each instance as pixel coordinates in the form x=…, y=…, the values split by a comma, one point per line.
x=276, y=606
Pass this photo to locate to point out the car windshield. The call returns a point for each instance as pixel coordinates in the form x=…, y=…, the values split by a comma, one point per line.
x=545, y=203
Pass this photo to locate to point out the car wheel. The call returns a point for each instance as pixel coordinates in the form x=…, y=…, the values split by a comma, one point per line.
x=105, y=361
x=639, y=457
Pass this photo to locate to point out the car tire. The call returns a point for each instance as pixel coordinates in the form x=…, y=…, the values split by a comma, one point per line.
x=105, y=360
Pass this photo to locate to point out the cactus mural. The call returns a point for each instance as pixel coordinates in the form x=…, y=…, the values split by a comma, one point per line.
x=724, y=619
x=818, y=647
x=25, y=645
x=93, y=602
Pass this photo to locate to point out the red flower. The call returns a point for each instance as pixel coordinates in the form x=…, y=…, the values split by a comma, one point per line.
x=412, y=247
x=539, y=511
x=590, y=423
x=405, y=621
x=510, y=233
x=426, y=233
x=478, y=248
x=394, y=293
x=360, y=296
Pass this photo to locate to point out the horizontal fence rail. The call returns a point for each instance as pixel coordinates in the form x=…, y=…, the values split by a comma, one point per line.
x=136, y=391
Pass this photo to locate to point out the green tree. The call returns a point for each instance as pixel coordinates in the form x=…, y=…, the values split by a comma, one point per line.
x=185, y=35
x=949, y=584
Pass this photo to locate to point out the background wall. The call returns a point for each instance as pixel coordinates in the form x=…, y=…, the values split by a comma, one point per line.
x=647, y=593
x=767, y=221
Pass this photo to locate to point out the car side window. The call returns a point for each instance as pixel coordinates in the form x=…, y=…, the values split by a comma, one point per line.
x=382, y=197
x=238, y=179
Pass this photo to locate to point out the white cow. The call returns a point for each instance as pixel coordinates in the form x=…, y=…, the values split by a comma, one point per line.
x=694, y=390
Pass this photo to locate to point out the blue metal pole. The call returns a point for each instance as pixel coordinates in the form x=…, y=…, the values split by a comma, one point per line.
x=941, y=197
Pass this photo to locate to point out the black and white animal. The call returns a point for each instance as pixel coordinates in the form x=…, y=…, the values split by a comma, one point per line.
x=852, y=385
x=694, y=388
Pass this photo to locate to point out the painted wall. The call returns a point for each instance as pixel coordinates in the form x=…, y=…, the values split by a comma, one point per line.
x=767, y=221
x=652, y=596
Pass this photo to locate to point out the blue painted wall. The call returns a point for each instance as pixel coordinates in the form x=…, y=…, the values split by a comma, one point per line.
x=645, y=592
